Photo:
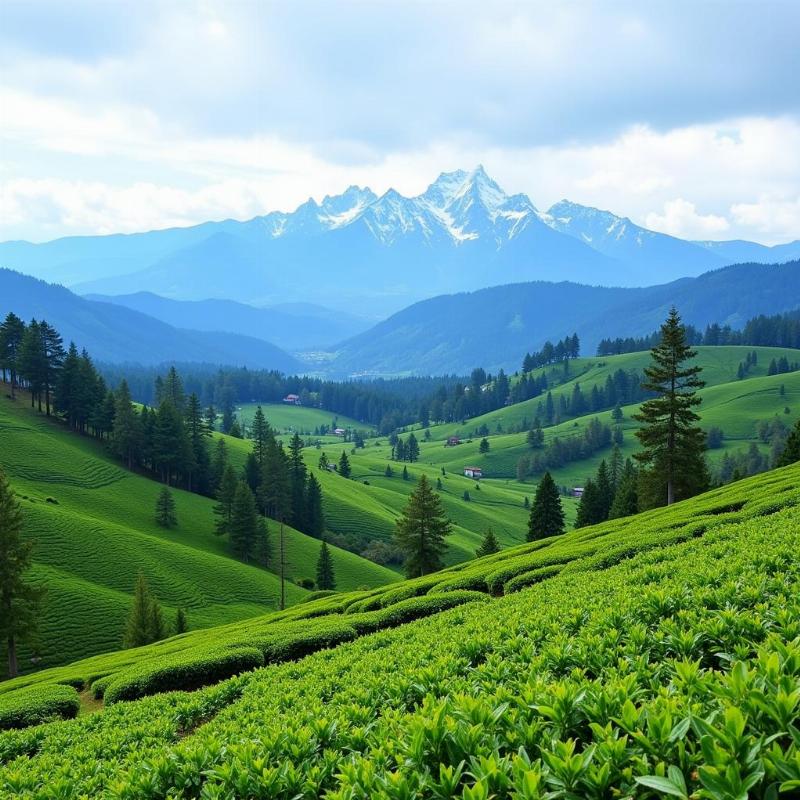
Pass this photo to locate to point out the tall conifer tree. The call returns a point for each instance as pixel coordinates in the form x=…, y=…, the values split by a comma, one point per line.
x=547, y=515
x=422, y=530
x=19, y=600
x=673, y=443
x=325, y=574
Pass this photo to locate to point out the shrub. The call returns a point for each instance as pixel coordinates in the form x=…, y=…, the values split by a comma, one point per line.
x=415, y=608
x=474, y=582
x=188, y=670
x=303, y=640
x=495, y=581
x=318, y=595
x=38, y=704
x=529, y=578
x=101, y=684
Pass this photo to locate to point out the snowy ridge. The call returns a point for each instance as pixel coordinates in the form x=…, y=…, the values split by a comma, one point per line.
x=462, y=206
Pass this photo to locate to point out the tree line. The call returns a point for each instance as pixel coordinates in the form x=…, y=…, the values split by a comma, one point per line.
x=778, y=330
x=567, y=348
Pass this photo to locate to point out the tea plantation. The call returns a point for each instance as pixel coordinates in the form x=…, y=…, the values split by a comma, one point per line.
x=656, y=656
x=94, y=525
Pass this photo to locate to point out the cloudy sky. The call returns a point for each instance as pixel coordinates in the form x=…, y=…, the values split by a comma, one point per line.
x=118, y=116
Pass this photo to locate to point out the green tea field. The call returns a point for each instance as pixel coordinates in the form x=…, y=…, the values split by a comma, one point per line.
x=652, y=656
x=94, y=526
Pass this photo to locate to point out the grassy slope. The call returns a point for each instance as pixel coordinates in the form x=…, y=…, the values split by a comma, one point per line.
x=735, y=406
x=637, y=599
x=91, y=544
x=290, y=419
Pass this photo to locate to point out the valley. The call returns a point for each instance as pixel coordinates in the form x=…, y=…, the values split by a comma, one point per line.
x=399, y=401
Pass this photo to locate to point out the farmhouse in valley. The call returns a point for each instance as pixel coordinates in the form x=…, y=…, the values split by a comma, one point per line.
x=292, y=399
x=453, y=441
x=473, y=472
x=577, y=492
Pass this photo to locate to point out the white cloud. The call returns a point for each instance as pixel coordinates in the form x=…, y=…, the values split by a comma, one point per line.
x=680, y=218
x=68, y=168
x=770, y=217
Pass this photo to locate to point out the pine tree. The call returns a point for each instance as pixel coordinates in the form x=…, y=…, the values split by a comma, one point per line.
x=218, y=464
x=791, y=452
x=52, y=359
x=155, y=622
x=589, y=506
x=19, y=600
x=344, y=465
x=489, y=545
x=483, y=447
x=252, y=472
x=325, y=575
x=405, y=473
x=605, y=491
x=226, y=493
x=243, y=526
x=412, y=448
x=297, y=483
x=421, y=531
x=165, y=509
x=275, y=491
x=171, y=447
x=12, y=331
x=181, y=625
x=547, y=515
x=145, y=622
x=262, y=433
x=173, y=390
x=31, y=361
x=536, y=436
x=314, y=516
x=263, y=549
x=388, y=472
x=626, y=500
x=198, y=433
x=673, y=444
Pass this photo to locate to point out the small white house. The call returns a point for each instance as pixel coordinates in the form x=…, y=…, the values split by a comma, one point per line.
x=577, y=492
x=338, y=431
x=473, y=472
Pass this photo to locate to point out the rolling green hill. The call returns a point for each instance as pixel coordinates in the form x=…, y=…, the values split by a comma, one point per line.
x=94, y=527
x=367, y=512
x=662, y=647
x=289, y=419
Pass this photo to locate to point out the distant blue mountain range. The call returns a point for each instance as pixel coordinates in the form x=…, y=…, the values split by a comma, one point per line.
x=375, y=255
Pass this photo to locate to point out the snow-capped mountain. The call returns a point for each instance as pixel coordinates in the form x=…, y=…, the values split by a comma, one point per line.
x=623, y=240
x=376, y=254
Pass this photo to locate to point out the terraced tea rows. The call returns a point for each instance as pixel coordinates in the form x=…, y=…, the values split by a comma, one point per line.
x=662, y=660
x=95, y=528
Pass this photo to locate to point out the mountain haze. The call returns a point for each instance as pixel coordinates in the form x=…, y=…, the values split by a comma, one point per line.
x=495, y=327
x=291, y=326
x=113, y=333
x=381, y=253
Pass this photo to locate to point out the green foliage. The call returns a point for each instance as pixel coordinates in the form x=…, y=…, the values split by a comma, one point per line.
x=422, y=529
x=243, y=528
x=672, y=441
x=165, y=509
x=36, y=705
x=19, y=599
x=190, y=670
x=145, y=622
x=657, y=662
x=547, y=516
x=489, y=545
x=325, y=574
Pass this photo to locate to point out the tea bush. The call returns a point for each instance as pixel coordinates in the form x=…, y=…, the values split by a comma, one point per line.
x=38, y=704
